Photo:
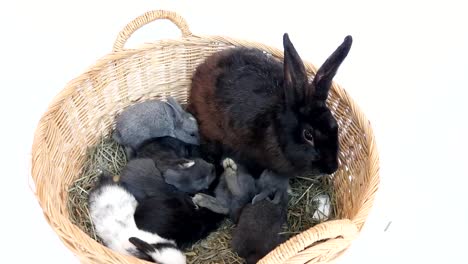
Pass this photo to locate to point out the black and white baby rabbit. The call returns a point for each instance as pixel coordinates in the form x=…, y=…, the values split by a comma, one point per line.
x=154, y=118
x=164, y=209
x=191, y=176
x=112, y=210
x=170, y=253
x=235, y=189
x=267, y=111
x=259, y=227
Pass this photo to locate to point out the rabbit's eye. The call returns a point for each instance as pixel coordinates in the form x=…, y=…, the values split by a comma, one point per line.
x=308, y=136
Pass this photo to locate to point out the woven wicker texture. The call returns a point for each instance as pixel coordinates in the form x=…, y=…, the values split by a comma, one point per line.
x=85, y=109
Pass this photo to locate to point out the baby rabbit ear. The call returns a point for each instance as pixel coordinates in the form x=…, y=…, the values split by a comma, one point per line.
x=141, y=245
x=323, y=79
x=187, y=164
x=172, y=102
x=294, y=72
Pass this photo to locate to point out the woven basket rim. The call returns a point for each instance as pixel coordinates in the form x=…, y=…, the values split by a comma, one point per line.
x=299, y=242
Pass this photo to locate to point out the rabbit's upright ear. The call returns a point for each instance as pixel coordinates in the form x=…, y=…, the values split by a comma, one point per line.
x=295, y=76
x=321, y=84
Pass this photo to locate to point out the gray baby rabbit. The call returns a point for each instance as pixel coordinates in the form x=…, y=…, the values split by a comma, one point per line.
x=268, y=184
x=152, y=119
x=259, y=227
x=235, y=189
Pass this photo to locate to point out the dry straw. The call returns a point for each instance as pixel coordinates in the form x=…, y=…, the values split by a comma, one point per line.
x=85, y=109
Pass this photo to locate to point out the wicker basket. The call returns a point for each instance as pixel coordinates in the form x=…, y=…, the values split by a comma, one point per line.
x=84, y=111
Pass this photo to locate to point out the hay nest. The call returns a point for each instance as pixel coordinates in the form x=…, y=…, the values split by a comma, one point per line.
x=110, y=156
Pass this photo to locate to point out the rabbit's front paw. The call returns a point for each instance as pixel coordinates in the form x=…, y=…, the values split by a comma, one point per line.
x=209, y=202
x=228, y=163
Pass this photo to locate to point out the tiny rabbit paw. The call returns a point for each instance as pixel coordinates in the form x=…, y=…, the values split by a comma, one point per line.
x=229, y=164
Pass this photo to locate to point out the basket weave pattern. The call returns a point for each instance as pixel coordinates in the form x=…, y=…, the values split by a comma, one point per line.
x=85, y=109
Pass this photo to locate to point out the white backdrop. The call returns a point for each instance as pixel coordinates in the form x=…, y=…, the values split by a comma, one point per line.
x=407, y=70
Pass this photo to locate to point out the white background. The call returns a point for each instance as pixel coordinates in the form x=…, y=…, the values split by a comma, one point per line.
x=407, y=70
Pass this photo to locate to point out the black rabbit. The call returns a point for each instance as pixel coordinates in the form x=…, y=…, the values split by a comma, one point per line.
x=179, y=163
x=267, y=112
x=258, y=230
x=162, y=208
x=165, y=148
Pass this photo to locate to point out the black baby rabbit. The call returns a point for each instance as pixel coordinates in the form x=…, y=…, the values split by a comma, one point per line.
x=267, y=111
x=258, y=230
x=166, y=148
x=164, y=209
x=179, y=163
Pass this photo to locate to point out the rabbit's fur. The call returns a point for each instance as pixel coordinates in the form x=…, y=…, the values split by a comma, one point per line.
x=179, y=163
x=164, y=209
x=268, y=185
x=258, y=229
x=172, y=214
x=163, y=253
x=235, y=189
x=137, y=177
x=112, y=209
x=151, y=119
x=166, y=148
x=267, y=111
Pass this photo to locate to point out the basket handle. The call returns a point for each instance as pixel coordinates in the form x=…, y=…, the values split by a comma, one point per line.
x=147, y=18
x=330, y=235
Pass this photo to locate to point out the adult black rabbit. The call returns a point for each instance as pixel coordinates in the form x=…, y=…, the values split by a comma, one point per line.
x=267, y=112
